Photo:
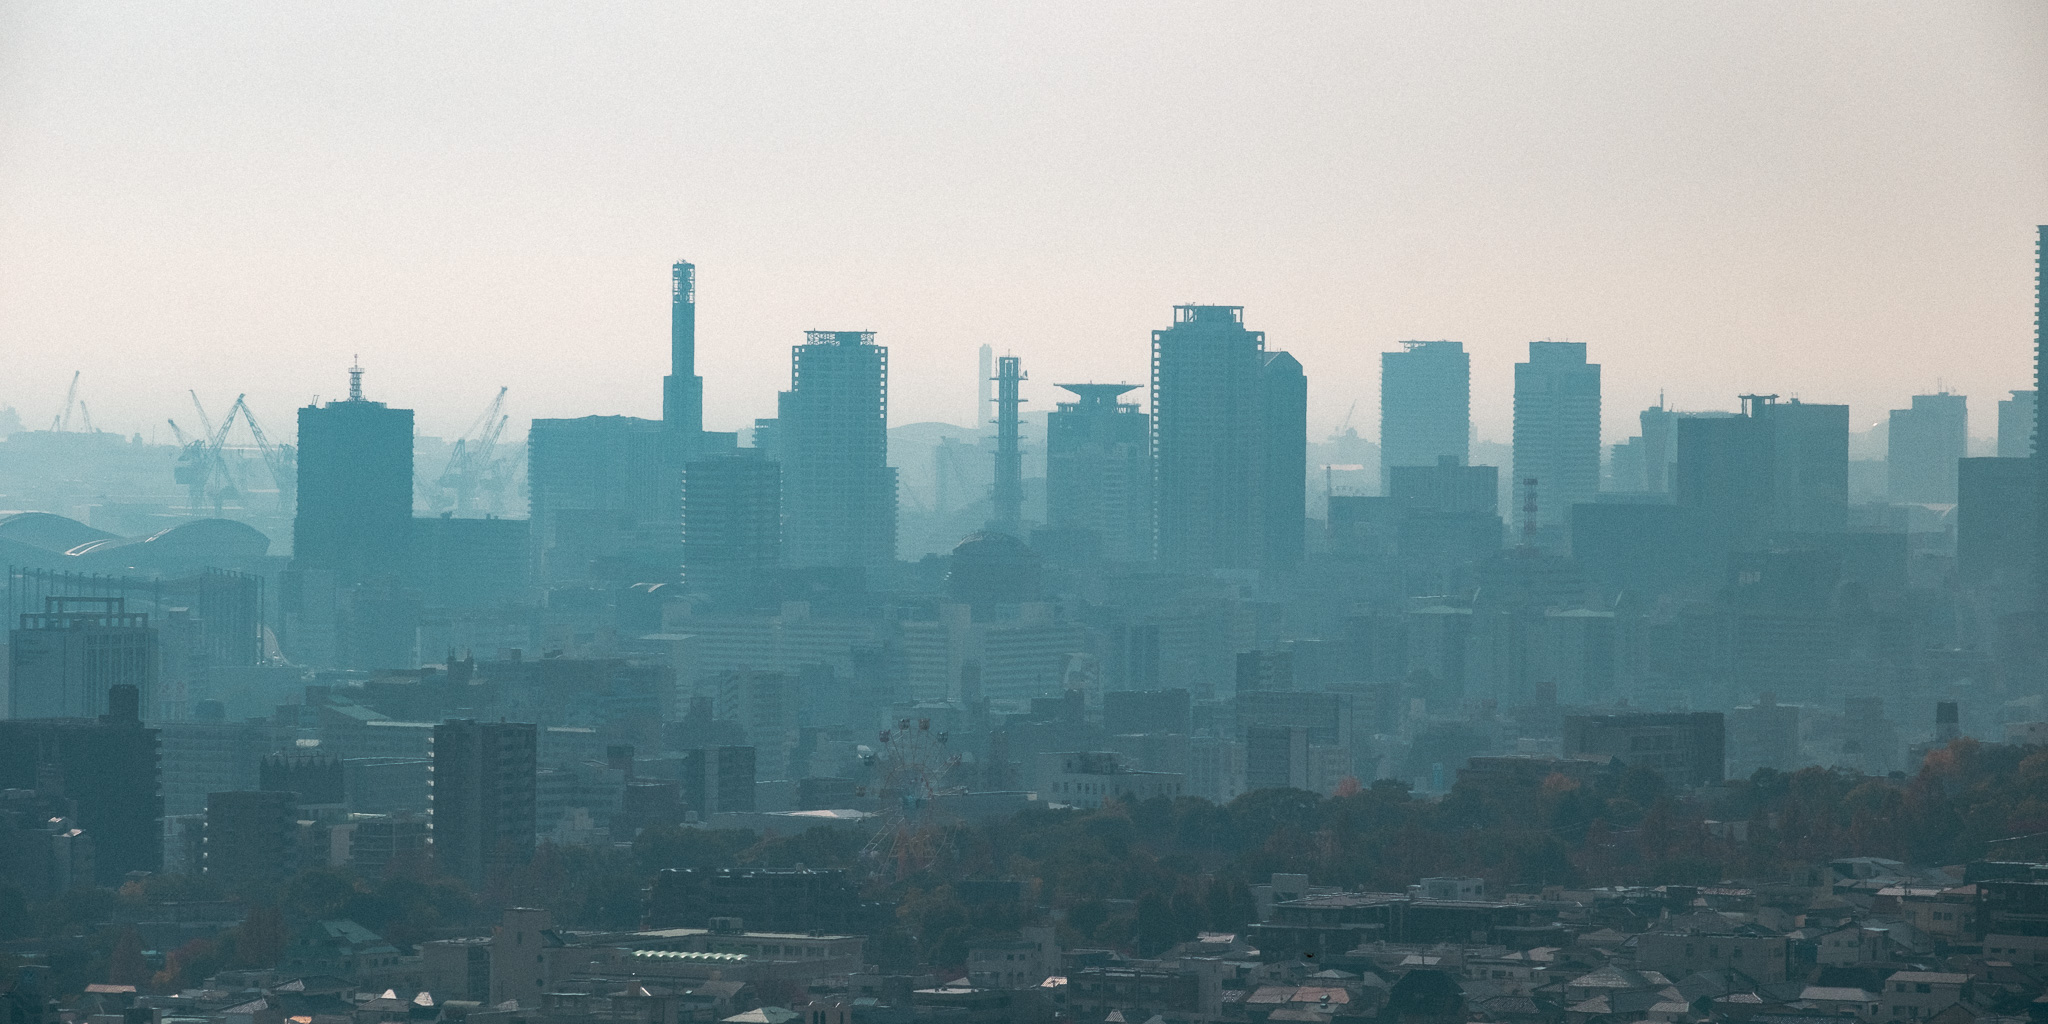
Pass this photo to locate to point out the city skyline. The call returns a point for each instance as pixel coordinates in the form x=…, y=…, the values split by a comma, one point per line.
x=1702, y=237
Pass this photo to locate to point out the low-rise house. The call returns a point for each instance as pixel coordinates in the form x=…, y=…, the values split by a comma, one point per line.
x=1918, y=995
x=1762, y=957
x=1841, y=1002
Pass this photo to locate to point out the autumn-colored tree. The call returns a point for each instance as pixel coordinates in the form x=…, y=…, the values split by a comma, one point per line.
x=189, y=964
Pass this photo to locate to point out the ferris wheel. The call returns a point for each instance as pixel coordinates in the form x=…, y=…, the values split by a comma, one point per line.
x=910, y=769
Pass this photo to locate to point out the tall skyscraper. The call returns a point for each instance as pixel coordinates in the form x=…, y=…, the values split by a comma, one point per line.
x=732, y=522
x=1925, y=443
x=1557, y=429
x=483, y=796
x=2041, y=425
x=1283, y=449
x=2016, y=425
x=1230, y=444
x=839, y=492
x=682, y=391
x=64, y=660
x=1098, y=471
x=355, y=488
x=1425, y=405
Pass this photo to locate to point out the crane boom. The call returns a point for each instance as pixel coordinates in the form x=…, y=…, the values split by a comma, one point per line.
x=281, y=460
x=62, y=421
x=205, y=421
x=466, y=461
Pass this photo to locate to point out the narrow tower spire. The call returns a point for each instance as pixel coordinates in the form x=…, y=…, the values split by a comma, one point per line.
x=682, y=393
x=1008, y=494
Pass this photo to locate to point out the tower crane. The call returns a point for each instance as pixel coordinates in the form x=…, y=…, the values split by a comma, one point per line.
x=205, y=421
x=283, y=460
x=201, y=463
x=62, y=421
x=470, y=459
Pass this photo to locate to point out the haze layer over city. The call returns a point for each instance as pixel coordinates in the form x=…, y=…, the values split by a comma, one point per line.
x=1525, y=514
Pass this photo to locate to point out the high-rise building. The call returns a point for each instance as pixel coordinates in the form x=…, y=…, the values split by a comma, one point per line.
x=64, y=660
x=1997, y=526
x=682, y=391
x=1098, y=471
x=1283, y=489
x=732, y=521
x=1925, y=443
x=1230, y=444
x=484, y=797
x=838, y=490
x=1425, y=405
x=355, y=488
x=250, y=837
x=106, y=769
x=1557, y=429
x=1447, y=487
x=2041, y=423
x=1643, y=464
x=1725, y=467
x=2016, y=425
x=718, y=779
x=1446, y=522
x=1778, y=467
x=1810, y=465
x=600, y=503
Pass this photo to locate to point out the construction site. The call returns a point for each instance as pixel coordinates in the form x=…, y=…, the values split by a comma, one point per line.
x=236, y=467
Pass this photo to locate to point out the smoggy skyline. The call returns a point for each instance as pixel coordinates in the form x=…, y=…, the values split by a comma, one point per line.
x=1833, y=202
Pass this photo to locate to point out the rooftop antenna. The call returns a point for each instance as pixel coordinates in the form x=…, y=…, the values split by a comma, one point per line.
x=355, y=379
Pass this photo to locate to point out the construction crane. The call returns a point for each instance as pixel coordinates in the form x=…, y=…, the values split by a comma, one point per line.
x=179, y=433
x=200, y=464
x=85, y=415
x=62, y=421
x=469, y=462
x=205, y=421
x=283, y=460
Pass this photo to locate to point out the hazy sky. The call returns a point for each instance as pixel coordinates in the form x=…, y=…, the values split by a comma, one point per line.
x=1834, y=201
